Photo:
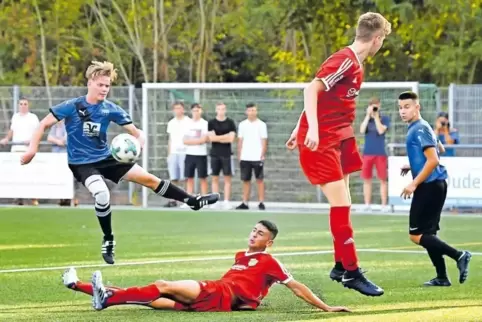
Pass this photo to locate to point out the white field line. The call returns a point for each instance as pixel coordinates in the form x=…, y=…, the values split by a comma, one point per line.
x=203, y=259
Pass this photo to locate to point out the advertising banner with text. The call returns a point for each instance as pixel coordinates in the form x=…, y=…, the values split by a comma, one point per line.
x=464, y=182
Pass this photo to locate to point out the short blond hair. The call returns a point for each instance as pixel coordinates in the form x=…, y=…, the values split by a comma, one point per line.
x=98, y=68
x=369, y=24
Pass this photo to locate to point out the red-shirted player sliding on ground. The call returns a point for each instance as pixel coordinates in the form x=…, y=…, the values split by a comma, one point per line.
x=326, y=141
x=242, y=288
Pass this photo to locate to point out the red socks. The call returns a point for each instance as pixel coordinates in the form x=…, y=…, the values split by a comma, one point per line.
x=83, y=287
x=134, y=295
x=87, y=288
x=344, y=244
x=337, y=245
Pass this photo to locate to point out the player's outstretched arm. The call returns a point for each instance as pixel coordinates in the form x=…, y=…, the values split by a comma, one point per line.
x=303, y=292
x=45, y=124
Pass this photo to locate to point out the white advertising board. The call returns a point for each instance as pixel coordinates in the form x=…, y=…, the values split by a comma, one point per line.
x=47, y=177
x=464, y=182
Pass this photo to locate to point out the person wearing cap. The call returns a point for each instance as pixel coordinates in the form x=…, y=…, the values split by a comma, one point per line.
x=446, y=135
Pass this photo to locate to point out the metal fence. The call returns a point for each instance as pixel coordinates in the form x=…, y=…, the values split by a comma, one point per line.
x=280, y=110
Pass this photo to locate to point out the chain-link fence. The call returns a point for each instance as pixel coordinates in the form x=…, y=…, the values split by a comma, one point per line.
x=280, y=110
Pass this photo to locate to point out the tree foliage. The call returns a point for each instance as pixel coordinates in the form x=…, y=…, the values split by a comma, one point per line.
x=51, y=42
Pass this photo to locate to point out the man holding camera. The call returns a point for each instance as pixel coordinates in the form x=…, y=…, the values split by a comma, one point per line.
x=445, y=133
x=374, y=127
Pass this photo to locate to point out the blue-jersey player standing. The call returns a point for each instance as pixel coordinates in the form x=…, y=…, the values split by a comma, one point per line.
x=86, y=120
x=429, y=189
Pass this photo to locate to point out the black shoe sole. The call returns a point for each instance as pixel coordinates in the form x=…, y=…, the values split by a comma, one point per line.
x=435, y=285
x=366, y=294
x=465, y=273
x=108, y=260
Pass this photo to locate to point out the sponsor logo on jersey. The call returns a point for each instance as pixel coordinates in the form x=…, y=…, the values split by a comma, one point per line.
x=91, y=129
x=352, y=92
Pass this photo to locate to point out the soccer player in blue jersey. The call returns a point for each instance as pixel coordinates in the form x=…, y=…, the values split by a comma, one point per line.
x=86, y=120
x=429, y=189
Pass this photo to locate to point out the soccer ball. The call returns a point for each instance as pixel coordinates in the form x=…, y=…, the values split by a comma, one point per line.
x=125, y=148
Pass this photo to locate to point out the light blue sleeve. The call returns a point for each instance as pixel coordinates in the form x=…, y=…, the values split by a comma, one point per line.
x=119, y=116
x=426, y=137
x=63, y=110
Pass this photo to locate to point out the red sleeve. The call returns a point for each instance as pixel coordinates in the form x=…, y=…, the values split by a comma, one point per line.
x=334, y=69
x=278, y=272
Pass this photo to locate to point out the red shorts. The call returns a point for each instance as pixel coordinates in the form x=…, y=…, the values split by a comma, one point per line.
x=330, y=163
x=215, y=296
x=380, y=162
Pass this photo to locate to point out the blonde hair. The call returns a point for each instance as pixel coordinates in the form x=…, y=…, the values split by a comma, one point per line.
x=369, y=24
x=98, y=68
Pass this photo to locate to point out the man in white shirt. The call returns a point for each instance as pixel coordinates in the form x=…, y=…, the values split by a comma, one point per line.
x=23, y=125
x=176, y=150
x=252, y=145
x=195, y=140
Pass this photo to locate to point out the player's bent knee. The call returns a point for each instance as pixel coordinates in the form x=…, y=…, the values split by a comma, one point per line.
x=99, y=190
x=162, y=286
x=102, y=198
x=415, y=239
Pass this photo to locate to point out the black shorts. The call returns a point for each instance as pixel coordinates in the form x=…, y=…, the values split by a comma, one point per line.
x=427, y=204
x=196, y=162
x=248, y=167
x=218, y=163
x=109, y=168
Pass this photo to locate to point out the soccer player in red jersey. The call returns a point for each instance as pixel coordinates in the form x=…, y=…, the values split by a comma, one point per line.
x=326, y=141
x=243, y=287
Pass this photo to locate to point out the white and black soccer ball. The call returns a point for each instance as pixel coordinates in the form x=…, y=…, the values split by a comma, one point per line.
x=125, y=148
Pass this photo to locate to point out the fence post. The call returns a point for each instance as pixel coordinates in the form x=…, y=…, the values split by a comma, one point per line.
x=16, y=97
x=451, y=103
x=131, y=113
x=145, y=152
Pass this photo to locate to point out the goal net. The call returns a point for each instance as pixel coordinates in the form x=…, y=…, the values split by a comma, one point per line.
x=279, y=105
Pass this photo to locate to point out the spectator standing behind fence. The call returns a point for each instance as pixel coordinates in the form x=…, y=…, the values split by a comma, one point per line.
x=446, y=135
x=252, y=144
x=176, y=149
x=58, y=137
x=222, y=131
x=195, y=139
x=374, y=126
x=22, y=127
